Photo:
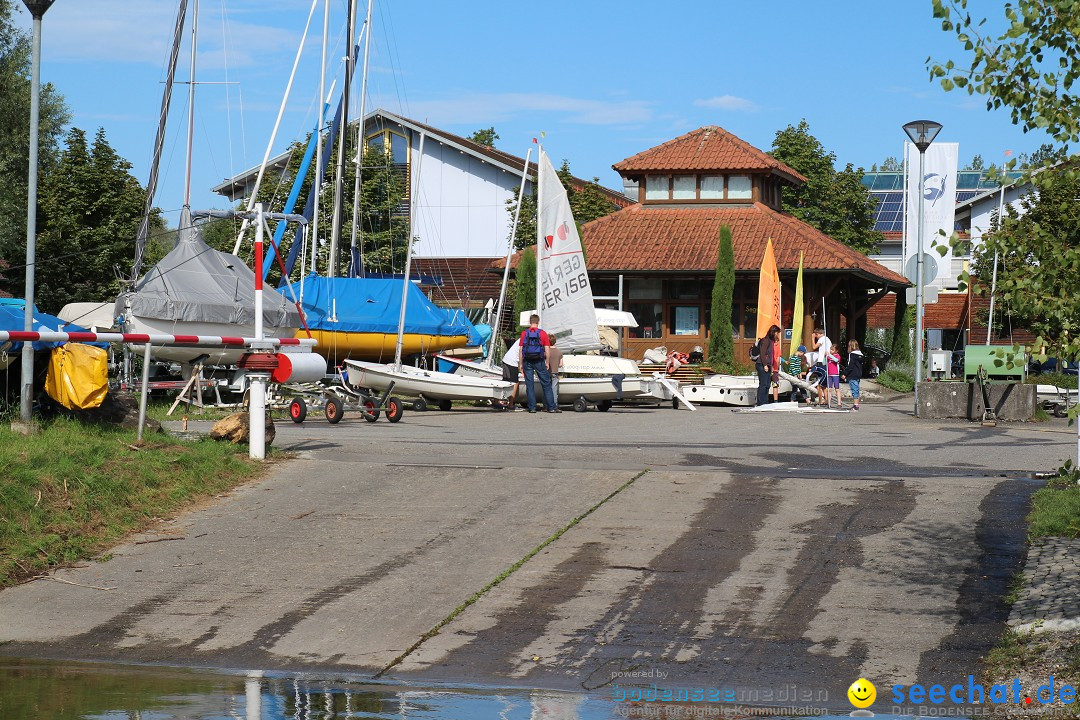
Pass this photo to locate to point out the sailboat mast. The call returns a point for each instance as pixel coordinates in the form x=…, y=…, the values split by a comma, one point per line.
x=339, y=177
x=506, y=269
x=356, y=245
x=191, y=102
x=539, y=230
x=413, y=194
x=318, y=141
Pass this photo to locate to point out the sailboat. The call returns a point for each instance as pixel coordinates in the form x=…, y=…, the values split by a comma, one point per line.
x=194, y=289
x=415, y=382
x=355, y=317
x=567, y=310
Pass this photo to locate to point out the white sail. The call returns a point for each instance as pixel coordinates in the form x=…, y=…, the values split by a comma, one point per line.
x=566, y=301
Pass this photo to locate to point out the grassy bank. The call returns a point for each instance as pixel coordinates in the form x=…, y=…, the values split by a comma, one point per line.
x=73, y=490
x=1055, y=509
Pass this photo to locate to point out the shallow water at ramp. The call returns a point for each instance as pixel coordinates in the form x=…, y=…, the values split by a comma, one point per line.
x=54, y=691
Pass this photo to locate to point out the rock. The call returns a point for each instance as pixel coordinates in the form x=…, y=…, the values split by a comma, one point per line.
x=235, y=429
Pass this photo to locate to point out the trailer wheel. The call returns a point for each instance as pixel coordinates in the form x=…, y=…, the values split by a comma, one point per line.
x=371, y=412
x=419, y=404
x=298, y=410
x=445, y=405
x=581, y=405
x=334, y=410
x=1060, y=411
x=674, y=403
x=604, y=405
x=394, y=409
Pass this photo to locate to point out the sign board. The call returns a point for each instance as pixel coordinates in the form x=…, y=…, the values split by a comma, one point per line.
x=929, y=271
x=930, y=295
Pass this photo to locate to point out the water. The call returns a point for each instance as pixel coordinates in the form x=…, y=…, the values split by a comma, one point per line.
x=31, y=690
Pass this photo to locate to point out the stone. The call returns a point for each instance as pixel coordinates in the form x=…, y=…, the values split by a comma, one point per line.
x=235, y=428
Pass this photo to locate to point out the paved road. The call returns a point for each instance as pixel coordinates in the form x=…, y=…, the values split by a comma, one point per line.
x=723, y=549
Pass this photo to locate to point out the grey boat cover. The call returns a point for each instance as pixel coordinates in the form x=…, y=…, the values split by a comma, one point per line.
x=196, y=283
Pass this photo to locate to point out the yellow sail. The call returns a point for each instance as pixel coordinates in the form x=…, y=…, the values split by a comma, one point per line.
x=797, y=314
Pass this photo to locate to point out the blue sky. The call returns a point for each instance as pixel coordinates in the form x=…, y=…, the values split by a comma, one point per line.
x=602, y=80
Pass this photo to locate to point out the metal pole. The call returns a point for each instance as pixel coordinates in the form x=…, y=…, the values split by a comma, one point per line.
x=414, y=197
x=27, y=395
x=144, y=390
x=919, y=283
x=993, y=280
x=191, y=102
x=506, y=270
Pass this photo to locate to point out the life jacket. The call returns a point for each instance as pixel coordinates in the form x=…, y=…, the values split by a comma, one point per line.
x=532, y=347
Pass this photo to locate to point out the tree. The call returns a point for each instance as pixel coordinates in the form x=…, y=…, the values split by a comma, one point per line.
x=487, y=136
x=1038, y=249
x=836, y=203
x=587, y=201
x=15, y=136
x=90, y=210
x=890, y=164
x=525, y=283
x=976, y=163
x=721, y=342
x=1030, y=69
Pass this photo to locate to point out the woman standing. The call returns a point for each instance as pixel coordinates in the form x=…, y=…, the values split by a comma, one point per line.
x=767, y=368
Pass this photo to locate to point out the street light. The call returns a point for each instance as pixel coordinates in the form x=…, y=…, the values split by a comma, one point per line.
x=37, y=8
x=922, y=133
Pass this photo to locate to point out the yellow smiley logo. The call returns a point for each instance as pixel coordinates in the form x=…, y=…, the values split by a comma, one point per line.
x=862, y=693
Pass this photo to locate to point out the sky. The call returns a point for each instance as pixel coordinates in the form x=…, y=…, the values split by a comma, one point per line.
x=602, y=80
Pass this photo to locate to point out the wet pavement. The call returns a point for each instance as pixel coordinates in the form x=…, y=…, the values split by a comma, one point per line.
x=577, y=552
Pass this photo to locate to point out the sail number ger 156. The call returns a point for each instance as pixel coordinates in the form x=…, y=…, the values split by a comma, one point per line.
x=564, y=280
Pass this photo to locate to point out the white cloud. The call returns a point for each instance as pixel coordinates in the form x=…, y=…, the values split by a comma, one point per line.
x=487, y=107
x=728, y=102
x=140, y=32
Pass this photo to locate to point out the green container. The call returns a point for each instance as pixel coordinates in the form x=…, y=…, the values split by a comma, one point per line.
x=1001, y=362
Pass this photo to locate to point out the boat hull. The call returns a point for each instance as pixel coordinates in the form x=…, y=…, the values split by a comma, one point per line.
x=432, y=385
x=378, y=347
x=738, y=390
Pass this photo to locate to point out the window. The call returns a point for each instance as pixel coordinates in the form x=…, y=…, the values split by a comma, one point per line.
x=684, y=187
x=712, y=187
x=656, y=187
x=399, y=149
x=650, y=318
x=684, y=289
x=739, y=187
x=645, y=289
x=604, y=287
x=686, y=319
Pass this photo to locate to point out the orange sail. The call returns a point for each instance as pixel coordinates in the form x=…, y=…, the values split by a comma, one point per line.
x=768, y=299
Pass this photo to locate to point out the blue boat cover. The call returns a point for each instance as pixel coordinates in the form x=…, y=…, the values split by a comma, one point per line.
x=11, y=319
x=373, y=305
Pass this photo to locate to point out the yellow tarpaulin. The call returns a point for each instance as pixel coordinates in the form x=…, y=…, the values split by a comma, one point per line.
x=78, y=376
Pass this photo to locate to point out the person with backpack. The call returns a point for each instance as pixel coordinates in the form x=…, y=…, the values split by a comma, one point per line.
x=534, y=361
x=763, y=353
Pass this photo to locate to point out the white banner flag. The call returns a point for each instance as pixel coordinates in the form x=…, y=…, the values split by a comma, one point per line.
x=939, y=204
x=567, y=310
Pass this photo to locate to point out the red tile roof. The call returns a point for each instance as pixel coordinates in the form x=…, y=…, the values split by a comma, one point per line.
x=707, y=148
x=466, y=281
x=686, y=239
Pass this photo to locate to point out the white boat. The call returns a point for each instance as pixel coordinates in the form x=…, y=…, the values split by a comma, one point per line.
x=428, y=384
x=740, y=390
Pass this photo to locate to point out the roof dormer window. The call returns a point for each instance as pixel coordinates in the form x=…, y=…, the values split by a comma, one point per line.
x=739, y=187
x=684, y=187
x=712, y=187
x=657, y=187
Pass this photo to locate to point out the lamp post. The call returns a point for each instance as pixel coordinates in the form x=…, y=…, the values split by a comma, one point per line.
x=922, y=133
x=37, y=8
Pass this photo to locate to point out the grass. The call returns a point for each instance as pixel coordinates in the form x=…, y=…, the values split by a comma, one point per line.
x=1060, y=379
x=1055, y=512
x=73, y=490
x=156, y=407
x=896, y=380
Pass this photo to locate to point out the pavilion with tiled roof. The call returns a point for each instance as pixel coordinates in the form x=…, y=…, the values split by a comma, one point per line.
x=659, y=256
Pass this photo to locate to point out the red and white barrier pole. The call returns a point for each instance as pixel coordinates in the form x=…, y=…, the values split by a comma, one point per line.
x=150, y=338
x=257, y=397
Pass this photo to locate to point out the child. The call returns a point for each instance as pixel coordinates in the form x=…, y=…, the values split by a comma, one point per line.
x=795, y=367
x=873, y=371
x=832, y=368
x=853, y=372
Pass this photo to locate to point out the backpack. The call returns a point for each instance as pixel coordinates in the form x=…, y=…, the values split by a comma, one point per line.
x=755, y=351
x=532, y=348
